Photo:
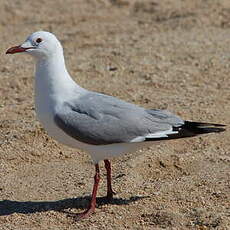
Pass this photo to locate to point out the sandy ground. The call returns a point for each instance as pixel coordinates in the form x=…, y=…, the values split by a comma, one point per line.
x=169, y=54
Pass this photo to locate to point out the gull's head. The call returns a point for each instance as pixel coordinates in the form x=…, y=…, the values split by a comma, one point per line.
x=40, y=44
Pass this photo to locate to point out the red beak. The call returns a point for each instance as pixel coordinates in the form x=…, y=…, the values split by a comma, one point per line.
x=17, y=49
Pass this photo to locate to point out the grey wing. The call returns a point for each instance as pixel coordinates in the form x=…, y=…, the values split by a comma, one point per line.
x=100, y=119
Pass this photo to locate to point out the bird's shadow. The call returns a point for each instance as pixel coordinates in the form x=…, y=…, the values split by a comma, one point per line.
x=8, y=207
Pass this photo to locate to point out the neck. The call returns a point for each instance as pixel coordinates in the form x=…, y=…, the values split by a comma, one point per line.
x=52, y=80
x=52, y=72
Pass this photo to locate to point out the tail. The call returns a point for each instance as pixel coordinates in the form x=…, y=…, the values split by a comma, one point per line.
x=191, y=129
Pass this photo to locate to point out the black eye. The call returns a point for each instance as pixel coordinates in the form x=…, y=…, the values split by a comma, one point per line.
x=39, y=40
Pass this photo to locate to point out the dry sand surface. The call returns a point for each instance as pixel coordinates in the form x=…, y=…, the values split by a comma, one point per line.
x=169, y=54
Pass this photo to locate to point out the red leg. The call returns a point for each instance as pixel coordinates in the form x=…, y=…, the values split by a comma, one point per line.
x=110, y=192
x=92, y=204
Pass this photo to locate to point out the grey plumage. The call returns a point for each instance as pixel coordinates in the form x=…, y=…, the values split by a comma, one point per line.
x=100, y=119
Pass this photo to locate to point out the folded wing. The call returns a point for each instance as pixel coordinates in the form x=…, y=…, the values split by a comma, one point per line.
x=99, y=119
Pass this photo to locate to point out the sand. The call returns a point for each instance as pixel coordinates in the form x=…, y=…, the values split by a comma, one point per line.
x=169, y=54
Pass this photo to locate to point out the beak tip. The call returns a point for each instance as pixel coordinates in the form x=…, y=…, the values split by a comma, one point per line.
x=16, y=49
x=11, y=50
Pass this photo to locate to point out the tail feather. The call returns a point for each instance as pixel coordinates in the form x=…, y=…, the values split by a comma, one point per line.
x=196, y=128
x=191, y=129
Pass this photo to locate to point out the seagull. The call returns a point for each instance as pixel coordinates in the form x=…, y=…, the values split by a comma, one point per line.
x=102, y=125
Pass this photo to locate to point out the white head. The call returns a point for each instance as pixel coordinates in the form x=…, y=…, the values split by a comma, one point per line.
x=40, y=44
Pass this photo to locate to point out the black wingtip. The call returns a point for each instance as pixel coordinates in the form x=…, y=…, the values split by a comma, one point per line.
x=202, y=127
x=192, y=129
x=202, y=124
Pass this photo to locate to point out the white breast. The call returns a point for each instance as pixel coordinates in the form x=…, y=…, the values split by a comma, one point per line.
x=45, y=104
